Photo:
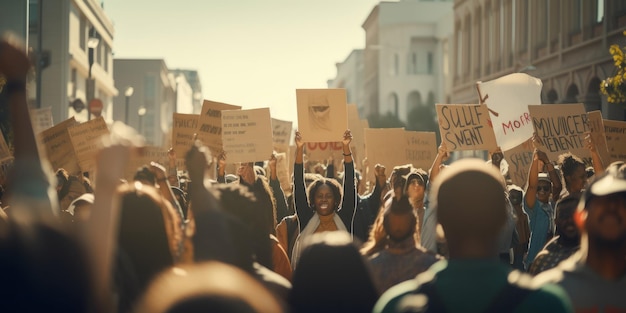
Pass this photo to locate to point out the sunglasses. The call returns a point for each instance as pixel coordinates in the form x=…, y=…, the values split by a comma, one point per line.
x=544, y=188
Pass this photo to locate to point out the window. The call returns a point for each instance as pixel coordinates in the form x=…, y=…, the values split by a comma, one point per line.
x=523, y=25
x=430, y=62
x=74, y=82
x=149, y=90
x=106, y=57
x=576, y=16
x=599, y=11
x=395, y=64
x=412, y=69
x=33, y=16
x=83, y=32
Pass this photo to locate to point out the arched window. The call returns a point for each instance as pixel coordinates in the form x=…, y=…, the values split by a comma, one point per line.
x=571, y=96
x=414, y=100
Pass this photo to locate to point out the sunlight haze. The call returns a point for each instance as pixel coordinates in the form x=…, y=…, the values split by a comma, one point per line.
x=247, y=52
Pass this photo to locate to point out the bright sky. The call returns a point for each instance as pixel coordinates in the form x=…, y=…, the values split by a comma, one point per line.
x=252, y=53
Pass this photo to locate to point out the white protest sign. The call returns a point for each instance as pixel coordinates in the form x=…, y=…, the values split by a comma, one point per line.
x=508, y=98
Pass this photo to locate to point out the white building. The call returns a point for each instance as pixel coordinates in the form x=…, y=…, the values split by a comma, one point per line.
x=193, y=79
x=350, y=77
x=70, y=29
x=184, y=95
x=405, y=55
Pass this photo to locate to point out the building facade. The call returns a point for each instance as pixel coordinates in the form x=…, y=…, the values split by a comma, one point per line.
x=565, y=43
x=350, y=77
x=71, y=31
x=193, y=79
x=153, y=89
x=405, y=55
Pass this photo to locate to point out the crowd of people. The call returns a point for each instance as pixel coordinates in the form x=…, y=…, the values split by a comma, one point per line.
x=457, y=237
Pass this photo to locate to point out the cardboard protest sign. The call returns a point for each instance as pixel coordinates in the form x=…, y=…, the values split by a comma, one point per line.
x=358, y=136
x=508, y=98
x=596, y=127
x=5, y=153
x=561, y=128
x=282, y=172
x=246, y=135
x=322, y=151
x=41, y=119
x=58, y=147
x=615, y=132
x=385, y=146
x=183, y=129
x=281, y=148
x=322, y=114
x=421, y=148
x=148, y=154
x=281, y=132
x=210, y=124
x=519, y=159
x=86, y=141
x=466, y=127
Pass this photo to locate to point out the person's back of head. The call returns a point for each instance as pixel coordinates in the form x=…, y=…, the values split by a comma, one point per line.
x=399, y=219
x=332, y=276
x=471, y=203
x=207, y=287
x=240, y=202
x=142, y=231
x=144, y=175
x=44, y=270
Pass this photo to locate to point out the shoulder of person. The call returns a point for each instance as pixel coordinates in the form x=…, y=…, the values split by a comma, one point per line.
x=404, y=291
x=547, y=297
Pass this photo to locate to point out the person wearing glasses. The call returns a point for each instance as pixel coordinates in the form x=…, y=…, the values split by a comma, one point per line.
x=543, y=191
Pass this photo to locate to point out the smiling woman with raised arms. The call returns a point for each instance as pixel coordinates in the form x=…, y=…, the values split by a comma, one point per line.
x=323, y=207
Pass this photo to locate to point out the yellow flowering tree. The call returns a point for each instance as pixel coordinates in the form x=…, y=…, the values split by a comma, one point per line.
x=614, y=87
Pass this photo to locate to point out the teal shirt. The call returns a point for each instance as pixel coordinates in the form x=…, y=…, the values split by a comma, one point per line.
x=470, y=285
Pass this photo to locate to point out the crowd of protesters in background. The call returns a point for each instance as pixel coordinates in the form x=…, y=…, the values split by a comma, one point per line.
x=457, y=237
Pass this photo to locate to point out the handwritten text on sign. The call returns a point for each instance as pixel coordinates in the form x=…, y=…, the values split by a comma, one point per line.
x=210, y=124
x=465, y=127
x=321, y=151
x=184, y=127
x=421, y=148
x=519, y=159
x=561, y=128
x=247, y=134
x=615, y=132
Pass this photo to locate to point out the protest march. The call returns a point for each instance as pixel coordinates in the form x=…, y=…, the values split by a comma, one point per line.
x=239, y=211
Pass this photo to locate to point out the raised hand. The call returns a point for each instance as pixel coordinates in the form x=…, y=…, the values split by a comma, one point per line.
x=442, y=151
x=347, y=137
x=379, y=170
x=589, y=142
x=298, y=140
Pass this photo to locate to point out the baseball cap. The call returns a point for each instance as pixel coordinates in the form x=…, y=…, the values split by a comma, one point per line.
x=613, y=180
x=419, y=174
